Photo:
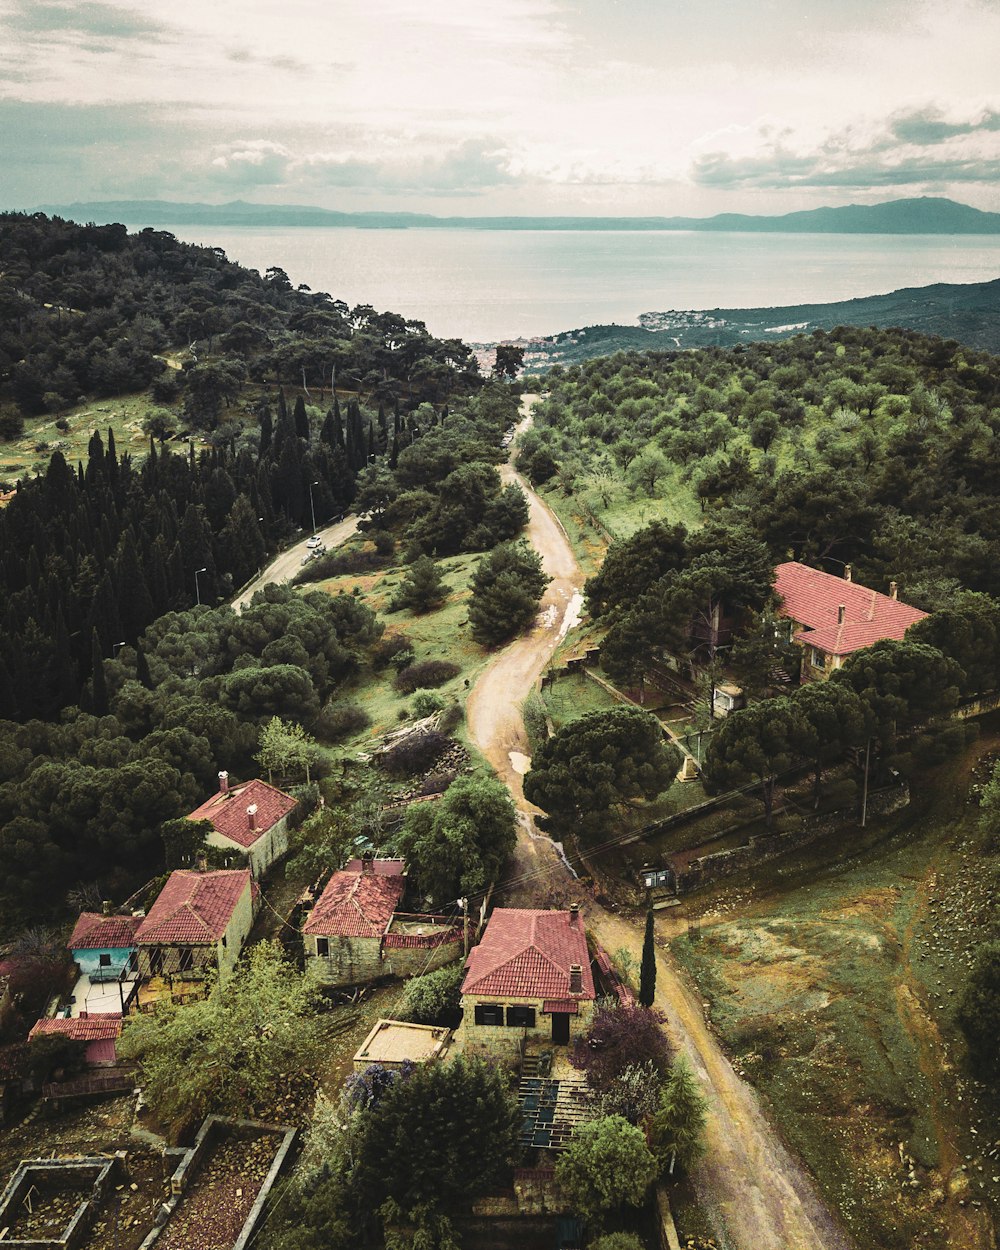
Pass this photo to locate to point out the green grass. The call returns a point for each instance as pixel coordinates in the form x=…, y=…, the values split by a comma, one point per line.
x=569, y=698
x=439, y=635
x=125, y=414
x=829, y=982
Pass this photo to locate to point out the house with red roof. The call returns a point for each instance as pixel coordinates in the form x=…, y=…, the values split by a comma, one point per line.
x=832, y=617
x=529, y=979
x=343, y=935
x=199, y=920
x=100, y=1034
x=249, y=817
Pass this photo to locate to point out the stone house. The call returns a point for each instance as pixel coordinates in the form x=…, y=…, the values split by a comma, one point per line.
x=250, y=817
x=355, y=934
x=832, y=617
x=200, y=920
x=528, y=981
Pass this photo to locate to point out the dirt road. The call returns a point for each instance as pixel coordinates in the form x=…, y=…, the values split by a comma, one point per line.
x=284, y=568
x=756, y=1193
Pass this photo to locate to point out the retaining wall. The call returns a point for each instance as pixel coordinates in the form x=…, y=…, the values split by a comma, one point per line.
x=716, y=867
x=92, y=1176
x=191, y=1161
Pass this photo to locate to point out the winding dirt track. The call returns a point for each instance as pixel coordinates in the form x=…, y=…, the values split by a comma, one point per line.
x=758, y=1196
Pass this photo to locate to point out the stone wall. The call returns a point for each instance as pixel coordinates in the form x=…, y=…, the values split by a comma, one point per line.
x=411, y=954
x=351, y=961
x=722, y=864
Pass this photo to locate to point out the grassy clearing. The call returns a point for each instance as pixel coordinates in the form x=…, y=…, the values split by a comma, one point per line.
x=834, y=987
x=439, y=635
x=125, y=414
x=569, y=698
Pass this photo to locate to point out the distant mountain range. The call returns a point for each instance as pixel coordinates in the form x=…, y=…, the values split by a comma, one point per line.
x=926, y=215
x=967, y=312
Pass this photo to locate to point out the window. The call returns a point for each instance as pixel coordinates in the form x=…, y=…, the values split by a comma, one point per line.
x=322, y=946
x=185, y=960
x=816, y=658
x=155, y=961
x=105, y=961
x=521, y=1017
x=489, y=1013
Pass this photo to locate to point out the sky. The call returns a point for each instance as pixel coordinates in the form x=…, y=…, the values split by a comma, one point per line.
x=481, y=107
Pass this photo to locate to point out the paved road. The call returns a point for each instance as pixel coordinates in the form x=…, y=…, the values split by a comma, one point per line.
x=758, y=1196
x=284, y=568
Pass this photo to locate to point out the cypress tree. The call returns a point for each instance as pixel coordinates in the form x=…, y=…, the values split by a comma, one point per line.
x=142, y=672
x=301, y=418
x=98, y=683
x=647, y=970
x=266, y=430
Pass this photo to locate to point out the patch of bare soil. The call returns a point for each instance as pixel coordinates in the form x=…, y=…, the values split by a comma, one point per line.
x=97, y=1129
x=215, y=1208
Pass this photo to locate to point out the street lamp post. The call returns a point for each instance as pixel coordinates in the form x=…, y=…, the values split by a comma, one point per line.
x=312, y=505
x=197, y=588
x=115, y=648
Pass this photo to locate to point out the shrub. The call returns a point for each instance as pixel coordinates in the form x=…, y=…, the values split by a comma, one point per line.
x=451, y=718
x=426, y=673
x=433, y=998
x=389, y=647
x=337, y=563
x=427, y=702
x=415, y=754
x=535, y=715
x=341, y=720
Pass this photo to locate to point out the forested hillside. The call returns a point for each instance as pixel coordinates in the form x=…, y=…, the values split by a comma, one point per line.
x=124, y=685
x=877, y=449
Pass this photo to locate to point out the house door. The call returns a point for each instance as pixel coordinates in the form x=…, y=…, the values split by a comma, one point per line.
x=560, y=1027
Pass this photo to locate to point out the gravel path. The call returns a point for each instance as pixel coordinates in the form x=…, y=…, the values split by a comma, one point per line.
x=757, y=1195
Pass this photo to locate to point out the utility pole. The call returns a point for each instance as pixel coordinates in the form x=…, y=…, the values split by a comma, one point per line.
x=312, y=505
x=864, y=788
x=197, y=588
x=464, y=904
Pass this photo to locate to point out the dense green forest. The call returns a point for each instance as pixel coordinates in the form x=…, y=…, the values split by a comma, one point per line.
x=877, y=449
x=124, y=685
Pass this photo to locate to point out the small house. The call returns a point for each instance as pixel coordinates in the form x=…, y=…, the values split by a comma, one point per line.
x=343, y=935
x=832, y=617
x=199, y=920
x=100, y=1033
x=251, y=817
x=104, y=949
x=528, y=980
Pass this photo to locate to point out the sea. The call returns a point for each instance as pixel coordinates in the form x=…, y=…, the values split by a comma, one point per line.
x=484, y=286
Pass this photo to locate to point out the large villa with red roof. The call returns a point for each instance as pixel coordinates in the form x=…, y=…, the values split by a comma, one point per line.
x=199, y=920
x=251, y=817
x=832, y=617
x=529, y=979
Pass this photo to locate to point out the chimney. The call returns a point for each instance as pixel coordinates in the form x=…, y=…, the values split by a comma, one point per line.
x=223, y=782
x=252, y=816
x=848, y=572
x=367, y=862
x=574, y=914
x=201, y=862
x=893, y=590
x=840, y=614
x=106, y=907
x=575, y=979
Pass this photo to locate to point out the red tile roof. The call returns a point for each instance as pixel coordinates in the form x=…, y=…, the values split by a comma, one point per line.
x=567, y=1006
x=228, y=812
x=813, y=599
x=80, y=1029
x=355, y=904
x=194, y=908
x=528, y=954
x=385, y=867
x=96, y=932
